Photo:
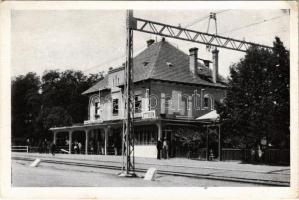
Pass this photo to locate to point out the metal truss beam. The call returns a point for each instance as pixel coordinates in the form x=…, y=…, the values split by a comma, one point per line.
x=178, y=32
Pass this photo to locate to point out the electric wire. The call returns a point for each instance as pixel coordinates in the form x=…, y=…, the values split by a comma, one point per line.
x=203, y=18
x=253, y=24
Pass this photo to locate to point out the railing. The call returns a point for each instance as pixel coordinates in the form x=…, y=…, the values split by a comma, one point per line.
x=233, y=154
x=20, y=149
x=271, y=156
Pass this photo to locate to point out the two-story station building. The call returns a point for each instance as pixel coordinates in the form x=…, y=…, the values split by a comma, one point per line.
x=172, y=91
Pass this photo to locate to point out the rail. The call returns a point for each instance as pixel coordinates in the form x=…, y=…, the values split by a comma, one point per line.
x=20, y=149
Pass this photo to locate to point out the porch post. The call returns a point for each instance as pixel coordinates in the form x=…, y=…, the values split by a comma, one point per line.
x=86, y=141
x=70, y=141
x=159, y=125
x=207, y=147
x=54, y=137
x=106, y=140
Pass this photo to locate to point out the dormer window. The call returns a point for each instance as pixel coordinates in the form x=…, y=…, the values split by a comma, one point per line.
x=95, y=103
x=169, y=64
x=96, y=110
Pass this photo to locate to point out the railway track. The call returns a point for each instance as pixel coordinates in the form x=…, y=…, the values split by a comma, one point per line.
x=163, y=172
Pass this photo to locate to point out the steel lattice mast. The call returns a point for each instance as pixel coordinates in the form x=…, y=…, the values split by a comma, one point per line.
x=128, y=168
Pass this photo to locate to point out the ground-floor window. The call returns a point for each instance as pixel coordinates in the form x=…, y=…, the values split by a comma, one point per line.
x=146, y=135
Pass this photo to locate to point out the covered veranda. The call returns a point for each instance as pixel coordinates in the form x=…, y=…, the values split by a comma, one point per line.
x=106, y=133
x=147, y=132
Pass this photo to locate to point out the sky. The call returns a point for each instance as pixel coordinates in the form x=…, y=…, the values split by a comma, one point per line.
x=94, y=40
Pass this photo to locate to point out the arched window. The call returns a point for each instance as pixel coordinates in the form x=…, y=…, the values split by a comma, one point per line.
x=95, y=102
x=209, y=101
x=206, y=101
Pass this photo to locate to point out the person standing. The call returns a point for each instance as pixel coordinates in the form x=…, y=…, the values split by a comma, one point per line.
x=165, y=148
x=75, y=147
x=79, y=147
x=53, y=148
x=159, y=148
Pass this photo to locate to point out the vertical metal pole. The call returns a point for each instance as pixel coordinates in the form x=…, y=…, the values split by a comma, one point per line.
x=128, y=168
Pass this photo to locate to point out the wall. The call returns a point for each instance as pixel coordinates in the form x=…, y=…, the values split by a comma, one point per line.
x=186, y=100
x=183, y=101
x=148, y=151
x=106, y=103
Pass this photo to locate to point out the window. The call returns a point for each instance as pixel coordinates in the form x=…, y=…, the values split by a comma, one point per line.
x=168, y=103
x=138, y=103
x=146, y=135
x=185, y=101
x=206, y=102
x=96, y=110
x=115, y=107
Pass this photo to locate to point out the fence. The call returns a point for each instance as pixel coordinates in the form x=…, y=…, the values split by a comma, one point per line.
x=20, y=149
x=271, y=156
x=233, y=154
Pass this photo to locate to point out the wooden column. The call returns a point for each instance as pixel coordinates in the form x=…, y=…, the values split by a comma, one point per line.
x=106, y=139
x=70, y=142
x=207, y=151
x=86, y=141
x=159, y=125
x=54, y=137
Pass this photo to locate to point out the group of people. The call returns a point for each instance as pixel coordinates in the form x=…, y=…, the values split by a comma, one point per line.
x=46, y=146
x=77, y=147
x=162, y=149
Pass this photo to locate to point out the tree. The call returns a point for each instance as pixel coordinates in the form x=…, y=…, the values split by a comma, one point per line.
x=25, y=104
x=56, y=100
x=64, y=89
x=257, y=101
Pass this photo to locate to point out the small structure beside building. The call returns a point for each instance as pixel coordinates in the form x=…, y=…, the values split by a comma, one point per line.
x=172, y=90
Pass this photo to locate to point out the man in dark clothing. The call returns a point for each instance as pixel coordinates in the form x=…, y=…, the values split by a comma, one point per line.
x=53, y=148
x=159, y=147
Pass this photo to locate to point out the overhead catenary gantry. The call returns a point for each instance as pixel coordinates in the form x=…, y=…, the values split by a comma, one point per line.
x=178, y=32
x=170, y=31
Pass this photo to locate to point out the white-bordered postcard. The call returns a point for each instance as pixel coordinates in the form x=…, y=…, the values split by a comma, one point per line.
x=149, y=100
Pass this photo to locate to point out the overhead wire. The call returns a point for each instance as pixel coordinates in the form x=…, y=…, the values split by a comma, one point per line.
x=253, y=24
x=112, y=60
x=187, y=26
x=123, y=56
x=203, y=18
x=249, y=25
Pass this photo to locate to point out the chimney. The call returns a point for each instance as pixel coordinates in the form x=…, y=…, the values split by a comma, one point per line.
x=150, y=42
x=207, y=63
x=193, y=60
x=215, y=65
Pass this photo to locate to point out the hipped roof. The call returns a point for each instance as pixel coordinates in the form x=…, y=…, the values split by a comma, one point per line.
x=162, y=61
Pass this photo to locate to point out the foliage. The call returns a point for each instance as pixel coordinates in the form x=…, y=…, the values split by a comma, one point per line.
x=54, y=100
x=189, y=136
x=25, y=103
x=257, y=101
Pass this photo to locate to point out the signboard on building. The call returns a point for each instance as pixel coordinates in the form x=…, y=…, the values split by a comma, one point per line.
x=148, y=115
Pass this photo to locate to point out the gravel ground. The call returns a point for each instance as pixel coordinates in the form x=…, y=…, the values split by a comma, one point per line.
x=51, y=175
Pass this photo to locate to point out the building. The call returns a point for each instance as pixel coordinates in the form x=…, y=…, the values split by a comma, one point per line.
x=171, y=91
